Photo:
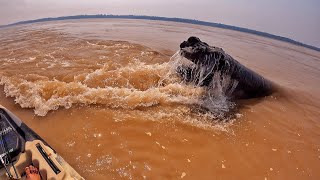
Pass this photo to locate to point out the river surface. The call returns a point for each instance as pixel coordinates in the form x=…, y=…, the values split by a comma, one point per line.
x=104, y=95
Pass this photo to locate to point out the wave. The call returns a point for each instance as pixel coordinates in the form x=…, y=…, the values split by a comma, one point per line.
x=118, y=91
x=115, y=74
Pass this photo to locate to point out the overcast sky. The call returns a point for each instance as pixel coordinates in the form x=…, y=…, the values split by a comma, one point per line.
x=296, y=19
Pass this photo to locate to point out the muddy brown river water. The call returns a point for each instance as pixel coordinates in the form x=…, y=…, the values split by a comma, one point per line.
x=103, y=94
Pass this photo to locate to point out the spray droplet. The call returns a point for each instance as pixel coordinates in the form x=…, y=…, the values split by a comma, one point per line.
x=222, y=166
x=238, y=115
x=183, y=175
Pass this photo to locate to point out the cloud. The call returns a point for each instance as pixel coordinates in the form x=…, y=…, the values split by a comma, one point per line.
x=11, y=3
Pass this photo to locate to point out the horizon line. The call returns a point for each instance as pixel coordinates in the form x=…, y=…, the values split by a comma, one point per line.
x=171, y=19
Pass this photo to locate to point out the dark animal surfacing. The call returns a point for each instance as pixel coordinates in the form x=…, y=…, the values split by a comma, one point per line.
x=208, y=61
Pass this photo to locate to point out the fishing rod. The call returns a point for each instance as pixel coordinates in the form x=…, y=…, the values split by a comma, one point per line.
x=6, y=152
x=5, y=167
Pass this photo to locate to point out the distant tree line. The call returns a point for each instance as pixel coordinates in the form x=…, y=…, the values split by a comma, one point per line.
x=189, y=21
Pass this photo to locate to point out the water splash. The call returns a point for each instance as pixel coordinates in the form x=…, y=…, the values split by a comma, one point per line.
x=70, y=71
x=215, y=97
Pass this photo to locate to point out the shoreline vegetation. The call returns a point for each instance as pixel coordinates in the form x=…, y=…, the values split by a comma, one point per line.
x=182, y=20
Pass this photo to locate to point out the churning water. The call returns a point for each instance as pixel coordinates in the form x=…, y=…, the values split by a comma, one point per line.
x=105, y=94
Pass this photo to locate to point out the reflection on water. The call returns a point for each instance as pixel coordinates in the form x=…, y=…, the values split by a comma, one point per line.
x=109, y=100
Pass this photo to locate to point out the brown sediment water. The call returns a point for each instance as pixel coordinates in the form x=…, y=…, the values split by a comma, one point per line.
x=103, y=94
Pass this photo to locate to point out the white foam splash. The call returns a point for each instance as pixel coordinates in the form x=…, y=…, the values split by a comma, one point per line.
x=111, y=74
x=46, y=95
x=216, y=96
